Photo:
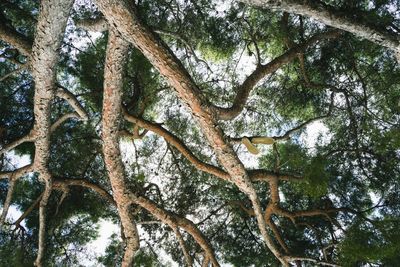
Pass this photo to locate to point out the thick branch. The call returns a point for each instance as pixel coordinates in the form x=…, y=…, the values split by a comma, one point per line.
x=117, y=50
x=45, y=52
x=328, y=15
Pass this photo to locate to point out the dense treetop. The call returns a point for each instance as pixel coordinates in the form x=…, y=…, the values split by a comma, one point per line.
x=246, y=133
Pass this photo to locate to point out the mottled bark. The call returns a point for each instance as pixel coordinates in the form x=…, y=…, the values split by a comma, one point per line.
x=48, y=37
x=117, y=50
x=328, y=15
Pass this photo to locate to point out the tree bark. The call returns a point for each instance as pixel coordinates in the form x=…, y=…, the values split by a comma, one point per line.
x=328, y=15
x=48, y=37
x=117, y=50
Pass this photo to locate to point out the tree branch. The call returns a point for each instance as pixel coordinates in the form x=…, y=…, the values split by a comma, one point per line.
x=7, y=202
x=188, y=258
x=328, y=15
x=27, y=138
x=117, y=50
x=50, y=29
x=15, y=39
x=243, y=92
x=65, y=94
x=178, y=144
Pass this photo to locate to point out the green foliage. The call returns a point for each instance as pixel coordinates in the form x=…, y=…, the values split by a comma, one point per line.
x=316, y=178
x=377, y=242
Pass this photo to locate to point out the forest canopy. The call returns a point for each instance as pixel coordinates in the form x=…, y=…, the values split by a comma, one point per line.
x=212, y=133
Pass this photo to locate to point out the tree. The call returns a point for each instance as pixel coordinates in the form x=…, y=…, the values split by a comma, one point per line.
x=154, y=125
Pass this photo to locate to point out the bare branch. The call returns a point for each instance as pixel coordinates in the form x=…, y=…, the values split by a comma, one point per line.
x=63, y=93
x=17, y=70
x=178, y=144
x=173, y=220
x=59, y=182
x=62, y=119
x=261, y=71
x=188, y=258
x=326, y=14
x=27, y=138
x=15, y=39
x=7, y=202
x=18, y=172
x=29, y=210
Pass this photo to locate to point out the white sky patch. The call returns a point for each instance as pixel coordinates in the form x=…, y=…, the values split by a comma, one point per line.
x=315, y=133
x=106, y=229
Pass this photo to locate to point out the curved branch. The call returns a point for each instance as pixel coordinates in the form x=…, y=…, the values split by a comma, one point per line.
x=62, y=119
x=326, y=14
x=178, y=144
x=27, y=138
x=261, y=71
x=173, y=220
x=65, y=94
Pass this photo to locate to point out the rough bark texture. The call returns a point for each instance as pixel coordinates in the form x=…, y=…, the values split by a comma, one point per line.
x=319, y=11
x=122, y=15
x=49, y=33
x=117, y=50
